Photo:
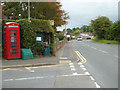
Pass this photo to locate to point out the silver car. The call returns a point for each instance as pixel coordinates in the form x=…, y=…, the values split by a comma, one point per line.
x=79, y=39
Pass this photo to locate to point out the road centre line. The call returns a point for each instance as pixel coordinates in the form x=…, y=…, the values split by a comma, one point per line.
x=102, y=51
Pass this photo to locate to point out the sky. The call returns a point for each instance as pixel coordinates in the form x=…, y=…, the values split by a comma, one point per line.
x=81, y=12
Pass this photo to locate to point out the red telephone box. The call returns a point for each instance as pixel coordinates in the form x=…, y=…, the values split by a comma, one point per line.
x=11, y=40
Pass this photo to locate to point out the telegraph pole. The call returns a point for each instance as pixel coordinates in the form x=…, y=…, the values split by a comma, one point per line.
x=29, y=10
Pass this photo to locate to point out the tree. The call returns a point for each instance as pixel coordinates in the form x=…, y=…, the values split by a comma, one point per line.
x=86, y=28
x=69, y=31
x=100, y=26
x=77, y=32
x=114, y=31
x=38, y=10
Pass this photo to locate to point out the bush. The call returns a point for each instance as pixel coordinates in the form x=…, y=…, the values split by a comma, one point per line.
x=28, y=31
x=60, y=36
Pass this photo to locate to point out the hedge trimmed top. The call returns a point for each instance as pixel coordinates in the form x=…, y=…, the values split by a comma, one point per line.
x=38, y=24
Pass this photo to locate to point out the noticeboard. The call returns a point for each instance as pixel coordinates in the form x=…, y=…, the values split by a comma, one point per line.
x=39, y=38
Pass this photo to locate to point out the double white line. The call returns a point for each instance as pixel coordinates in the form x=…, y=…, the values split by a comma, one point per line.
x=81, y=57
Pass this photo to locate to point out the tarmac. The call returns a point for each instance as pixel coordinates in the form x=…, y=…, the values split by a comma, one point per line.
x=48, y=60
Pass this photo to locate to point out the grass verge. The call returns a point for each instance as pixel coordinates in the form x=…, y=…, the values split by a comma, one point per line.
x=106, y=41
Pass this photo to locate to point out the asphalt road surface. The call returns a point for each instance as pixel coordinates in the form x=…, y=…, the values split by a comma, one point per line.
x=101, y=61
x=83, y=64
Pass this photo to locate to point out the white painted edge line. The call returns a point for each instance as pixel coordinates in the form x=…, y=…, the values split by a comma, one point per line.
x=75, y=73
x=92, y=78
x=98, y=86
x=29, y=78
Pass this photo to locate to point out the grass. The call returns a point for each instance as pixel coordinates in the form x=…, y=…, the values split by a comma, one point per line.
x=106, y=41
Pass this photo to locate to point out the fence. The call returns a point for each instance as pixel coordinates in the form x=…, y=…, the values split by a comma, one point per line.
x=59, y=44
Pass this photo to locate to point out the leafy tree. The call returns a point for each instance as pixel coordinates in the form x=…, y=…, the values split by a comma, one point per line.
x=113, y=32
x=38, y=10
x=100, y=26
x=86, y=28
x=77, y=32
x=69, y=31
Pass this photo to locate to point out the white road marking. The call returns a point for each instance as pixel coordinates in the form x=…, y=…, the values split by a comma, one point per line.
x=82, y=66
x=72, y=66
x=87, y=73
x=92, y=78
x=93, y=47
x=73, y=69
x=70, y=63
x=80, y=63
x=116, y=56
x=84, y=69
x=63, y=58
x=8, y=80
x=29, y=78
x=103, y=51
x=75, y=73
x=96, y=85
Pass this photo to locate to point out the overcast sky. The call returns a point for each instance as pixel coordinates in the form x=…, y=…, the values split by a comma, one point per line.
x=81, y=12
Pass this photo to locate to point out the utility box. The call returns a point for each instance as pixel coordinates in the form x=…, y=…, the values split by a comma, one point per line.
x=26, y=54
x=47, y=50
x=11, y=40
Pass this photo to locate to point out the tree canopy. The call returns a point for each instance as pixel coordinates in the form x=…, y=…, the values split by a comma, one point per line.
x=100, y=26
x=38, y=10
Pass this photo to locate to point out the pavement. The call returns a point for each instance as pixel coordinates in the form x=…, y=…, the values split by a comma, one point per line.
x=49, y=60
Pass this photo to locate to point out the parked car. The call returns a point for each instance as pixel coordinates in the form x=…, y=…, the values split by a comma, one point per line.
x=88, y=38
x=79, y=39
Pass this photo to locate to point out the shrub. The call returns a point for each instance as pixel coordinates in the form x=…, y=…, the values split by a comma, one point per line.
x=28, y=31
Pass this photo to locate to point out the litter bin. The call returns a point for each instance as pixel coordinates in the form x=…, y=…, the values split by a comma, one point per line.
x=47, y=50
x=26, y=54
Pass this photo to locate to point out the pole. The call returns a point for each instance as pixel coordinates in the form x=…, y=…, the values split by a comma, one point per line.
x=29, y=10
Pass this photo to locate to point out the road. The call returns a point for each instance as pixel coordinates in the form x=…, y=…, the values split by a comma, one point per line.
x=83, y=64
x=102, y=61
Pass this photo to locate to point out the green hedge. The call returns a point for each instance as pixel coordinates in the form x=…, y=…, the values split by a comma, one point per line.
x=28, y=31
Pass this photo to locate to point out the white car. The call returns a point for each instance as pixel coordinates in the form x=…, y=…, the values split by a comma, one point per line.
x=79, y=39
